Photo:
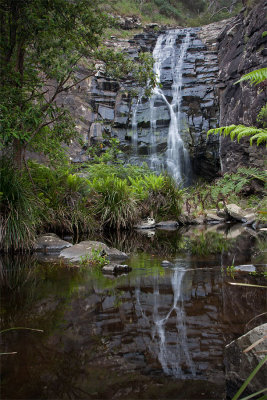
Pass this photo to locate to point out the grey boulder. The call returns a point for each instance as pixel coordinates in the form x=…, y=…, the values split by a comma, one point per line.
x=50, y=243
x=87, y=248
x=241, y=359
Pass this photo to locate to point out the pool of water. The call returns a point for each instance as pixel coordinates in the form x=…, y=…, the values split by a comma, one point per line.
x=156, y=333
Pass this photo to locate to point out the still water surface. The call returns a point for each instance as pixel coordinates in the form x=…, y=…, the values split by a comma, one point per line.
x=156, y=333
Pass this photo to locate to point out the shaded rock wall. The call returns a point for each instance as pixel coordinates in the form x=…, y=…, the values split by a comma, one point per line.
x=241, y=49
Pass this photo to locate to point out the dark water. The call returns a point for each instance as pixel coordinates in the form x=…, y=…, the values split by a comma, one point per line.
x=156, y=333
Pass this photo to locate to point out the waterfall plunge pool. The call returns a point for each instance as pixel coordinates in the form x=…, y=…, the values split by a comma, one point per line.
x=156, y=333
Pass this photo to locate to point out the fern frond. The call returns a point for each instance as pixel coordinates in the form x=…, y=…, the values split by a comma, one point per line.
x=253, y=172
x=254, y=77
x=240, y=131
x=261, y=137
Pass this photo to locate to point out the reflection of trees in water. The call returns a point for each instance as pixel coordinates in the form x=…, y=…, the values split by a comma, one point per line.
x=198, y=242
x=161, y=243
x=18, y=284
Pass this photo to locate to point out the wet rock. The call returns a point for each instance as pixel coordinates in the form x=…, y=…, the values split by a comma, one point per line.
x=87, y=248
x=167, y=225
x=116, y=268
x=212, y=218
x=249, y=219
x=115, y=254
x=235, y=212
x=239, y=365
x=50, y=243
x=222, y=214
x=199, y=220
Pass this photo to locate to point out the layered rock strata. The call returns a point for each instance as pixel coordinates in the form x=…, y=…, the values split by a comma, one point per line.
x=242, y=49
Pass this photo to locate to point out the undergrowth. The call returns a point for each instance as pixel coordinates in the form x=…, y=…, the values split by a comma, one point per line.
x=245, y=187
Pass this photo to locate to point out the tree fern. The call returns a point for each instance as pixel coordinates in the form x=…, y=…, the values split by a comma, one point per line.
x=254, y=77
x=240, y=131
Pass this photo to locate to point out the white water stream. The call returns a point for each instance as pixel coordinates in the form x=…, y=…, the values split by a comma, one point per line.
x=176, y=159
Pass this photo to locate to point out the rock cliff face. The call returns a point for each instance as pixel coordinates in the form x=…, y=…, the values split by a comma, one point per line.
x=217, y=56
x=241, y=49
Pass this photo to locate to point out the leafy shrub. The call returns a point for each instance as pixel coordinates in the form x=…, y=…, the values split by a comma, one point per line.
x=65, y=199
x=96, y=259
x=229, y=188
x=113, y=202
x=158, y=195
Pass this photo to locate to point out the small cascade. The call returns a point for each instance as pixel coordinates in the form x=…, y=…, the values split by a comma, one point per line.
x=134, y=126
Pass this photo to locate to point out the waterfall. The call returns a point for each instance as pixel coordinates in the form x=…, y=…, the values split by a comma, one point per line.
x=134, y=125
x=176, y=159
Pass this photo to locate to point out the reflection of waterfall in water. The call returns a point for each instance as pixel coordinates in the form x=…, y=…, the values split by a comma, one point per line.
x=171, y=358
x=172, y=353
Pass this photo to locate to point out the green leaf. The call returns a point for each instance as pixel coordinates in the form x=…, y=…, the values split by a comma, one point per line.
x=251, y=376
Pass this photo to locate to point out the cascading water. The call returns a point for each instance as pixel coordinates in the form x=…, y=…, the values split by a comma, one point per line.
x=176, y=159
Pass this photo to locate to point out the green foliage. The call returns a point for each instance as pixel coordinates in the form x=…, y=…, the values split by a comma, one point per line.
x=262, y=116
x=96, y=259
x=208, y=243
x=121, y=195
x=248, y=380
x=157, y=195
x=42, y=45
x=64, y=196
x=113, y=202
x=254, y=77
x=20, y=209
x=229, y=188
x=240, y=131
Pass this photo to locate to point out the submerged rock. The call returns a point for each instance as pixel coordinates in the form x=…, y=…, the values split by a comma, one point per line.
x=116, y=268
x=50, y=243
x=240, y=362
x=87, y=248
